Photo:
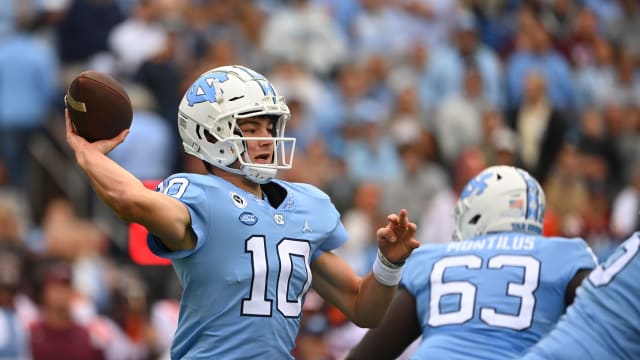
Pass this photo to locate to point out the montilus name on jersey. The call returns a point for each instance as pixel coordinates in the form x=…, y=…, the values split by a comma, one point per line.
x=495, y=242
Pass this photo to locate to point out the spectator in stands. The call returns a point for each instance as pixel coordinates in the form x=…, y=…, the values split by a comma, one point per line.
x=627, y=141
x=535, y=53
x=505, y=147
x=14, y=329
x=429, y=21
x=14, y=218
x=371, y=154
x=595, y=82
x=138, y=38
x=457, y=121
x=595, y=141
x=374, y=30
x=608, y=12
x=56, y=332
x=85, y=28
x=304, y=33
x=625, y=212
x=500, y=142
x=29, y=75
x=307, y=94
x=541, y=126
x=420, y=178
x=148, y=150
x=446, y=75
x=557, y=16
x=567, y=191
x=624, y=26
x=579, y=46
x=405, y=104
x=596, y=170
x=436, y=223
x=627, y=88
x=341, y=101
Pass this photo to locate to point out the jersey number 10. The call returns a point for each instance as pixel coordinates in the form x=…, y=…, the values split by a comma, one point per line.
x=258, y=304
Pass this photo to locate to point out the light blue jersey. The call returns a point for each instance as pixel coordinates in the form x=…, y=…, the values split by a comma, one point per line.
x=259, y=258
x=492, y=297
x=604, y=320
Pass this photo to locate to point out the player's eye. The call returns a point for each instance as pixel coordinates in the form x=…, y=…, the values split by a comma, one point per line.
x=248, y=130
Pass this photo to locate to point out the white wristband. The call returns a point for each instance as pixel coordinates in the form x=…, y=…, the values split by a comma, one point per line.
x=386, y=275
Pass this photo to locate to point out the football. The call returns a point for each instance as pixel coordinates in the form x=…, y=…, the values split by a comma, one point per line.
x=99, y=106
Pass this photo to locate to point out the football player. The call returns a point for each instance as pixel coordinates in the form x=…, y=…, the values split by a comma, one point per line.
x=604, y=320
x=495, y=290
x=246, y=246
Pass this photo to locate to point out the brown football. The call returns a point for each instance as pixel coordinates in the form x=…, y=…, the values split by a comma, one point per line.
x=99, y=107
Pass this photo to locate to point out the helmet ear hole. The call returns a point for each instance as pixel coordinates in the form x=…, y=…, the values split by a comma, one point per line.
x=474, y=220
x=210, y=138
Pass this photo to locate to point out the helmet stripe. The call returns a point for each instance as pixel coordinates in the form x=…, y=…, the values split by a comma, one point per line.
x=534, y=209
x=265, y=85
x=252, y=73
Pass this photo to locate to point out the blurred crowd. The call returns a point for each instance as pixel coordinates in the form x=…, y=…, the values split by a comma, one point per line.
x=395, y=104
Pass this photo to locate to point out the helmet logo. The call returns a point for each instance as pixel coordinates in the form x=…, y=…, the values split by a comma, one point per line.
x=476, y=186
x=204, y=89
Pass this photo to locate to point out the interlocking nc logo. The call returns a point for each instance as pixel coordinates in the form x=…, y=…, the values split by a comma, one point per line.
x=476, y=186
x=204, y=89
x=279, y=219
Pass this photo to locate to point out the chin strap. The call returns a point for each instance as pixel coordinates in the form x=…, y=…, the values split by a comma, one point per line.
x=259, y=176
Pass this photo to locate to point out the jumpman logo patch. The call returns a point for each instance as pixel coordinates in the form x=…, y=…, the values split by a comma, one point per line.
x=306, y=227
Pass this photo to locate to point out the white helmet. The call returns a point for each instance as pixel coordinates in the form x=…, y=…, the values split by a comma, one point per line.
x=210, y=109
x=499, y=199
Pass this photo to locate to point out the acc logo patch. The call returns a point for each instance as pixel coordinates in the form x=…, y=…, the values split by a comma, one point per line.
x=248, y=218
x=238, y=200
